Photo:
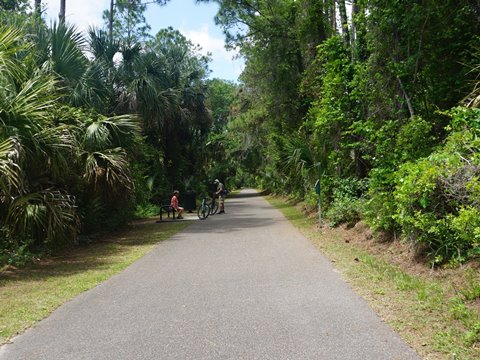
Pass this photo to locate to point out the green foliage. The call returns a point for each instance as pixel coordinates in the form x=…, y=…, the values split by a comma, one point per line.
x=367, y=105
x=148, y=210
x=395, y=144
x=14, y=251
x=473, y=98
x=85, y=139
x=380, y=205
x=438, y=197
x=129, y=24
x=55, y=160
x=471, y=290
x=330, y=81
x=346, y=200
x=13, y=5
x=172, y=94
x=415, y=55
x=33, y=205
x=221, y=95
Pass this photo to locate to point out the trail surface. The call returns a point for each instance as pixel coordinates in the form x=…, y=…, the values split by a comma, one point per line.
x=243, y=285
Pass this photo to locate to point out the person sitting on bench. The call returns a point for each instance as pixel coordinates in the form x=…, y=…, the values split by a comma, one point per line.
x=174, y=204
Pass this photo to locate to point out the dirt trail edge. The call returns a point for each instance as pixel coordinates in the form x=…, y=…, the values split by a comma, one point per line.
x=241, y=285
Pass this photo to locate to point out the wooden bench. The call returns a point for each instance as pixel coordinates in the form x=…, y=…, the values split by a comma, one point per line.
x=168, y=209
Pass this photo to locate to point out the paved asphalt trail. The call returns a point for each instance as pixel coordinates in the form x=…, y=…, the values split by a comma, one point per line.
x=244, y=285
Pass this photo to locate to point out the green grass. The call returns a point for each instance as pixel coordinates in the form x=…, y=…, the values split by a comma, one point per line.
x=437, y=320
x=29, y=294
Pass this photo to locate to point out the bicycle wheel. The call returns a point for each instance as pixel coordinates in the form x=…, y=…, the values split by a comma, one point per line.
x=213, y=207
x=210, y=201
x=203, y=211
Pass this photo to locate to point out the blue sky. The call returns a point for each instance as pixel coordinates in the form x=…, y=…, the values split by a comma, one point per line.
x=195, y=21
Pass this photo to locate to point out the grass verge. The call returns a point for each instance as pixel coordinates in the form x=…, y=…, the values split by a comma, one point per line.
x=434, y=314
x=29, y=294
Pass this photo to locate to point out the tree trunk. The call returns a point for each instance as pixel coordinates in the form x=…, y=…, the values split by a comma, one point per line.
x=355, y=12
x=334, y=17
x=38, y=8
x=344, y=19
x=110, y=22
x=61, y=15
x=407, y=98
x=357, y=33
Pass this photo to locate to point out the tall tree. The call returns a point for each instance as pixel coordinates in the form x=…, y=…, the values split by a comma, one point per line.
x=61, y=14
x=110, y=15
x=125, y=19
x=177, y=111
x=220, y=97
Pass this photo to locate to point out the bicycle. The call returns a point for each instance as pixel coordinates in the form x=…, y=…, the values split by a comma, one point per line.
x=213, y=204
x=204, y=209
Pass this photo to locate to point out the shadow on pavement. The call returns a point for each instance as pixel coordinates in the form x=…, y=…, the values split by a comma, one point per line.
x=239, y=216
x=248, y=194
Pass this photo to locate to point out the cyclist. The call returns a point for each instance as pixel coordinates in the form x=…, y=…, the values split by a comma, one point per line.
x=221, y=195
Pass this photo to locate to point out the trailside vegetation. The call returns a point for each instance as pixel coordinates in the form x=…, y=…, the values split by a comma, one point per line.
x=97, y=127
x=377, y=99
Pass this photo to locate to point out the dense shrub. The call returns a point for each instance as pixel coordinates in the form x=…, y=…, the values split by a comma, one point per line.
x=379, y=207
x=346, y=201
x=438, y=197
x=395, y=144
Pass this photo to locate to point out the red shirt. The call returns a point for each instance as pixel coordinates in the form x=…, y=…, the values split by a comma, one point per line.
x=174, y=202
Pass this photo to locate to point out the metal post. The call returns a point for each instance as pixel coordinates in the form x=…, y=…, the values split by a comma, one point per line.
x=319, y=211
x=318, y=190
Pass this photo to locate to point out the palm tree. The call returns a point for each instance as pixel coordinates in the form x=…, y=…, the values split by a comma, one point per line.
x=60, y=49
x=104, y=159
x=32, y=150
x=50, y=151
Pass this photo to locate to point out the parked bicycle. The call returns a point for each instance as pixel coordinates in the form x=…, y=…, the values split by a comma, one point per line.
x=213, y=204
x=204, y=209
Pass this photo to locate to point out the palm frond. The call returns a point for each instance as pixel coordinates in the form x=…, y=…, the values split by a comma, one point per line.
x=67, y=47
x=108, y=169
x=34, y=102
x=297, y=155
x=47, y=215
x=11, y=44
x=127, y=125
x=101, y=46
x=92, y=89
x=97, y=135
x=57, y=145
x=104, y=132
x=11, y=175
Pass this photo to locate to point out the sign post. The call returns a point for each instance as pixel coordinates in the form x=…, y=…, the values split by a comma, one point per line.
x=318, y=192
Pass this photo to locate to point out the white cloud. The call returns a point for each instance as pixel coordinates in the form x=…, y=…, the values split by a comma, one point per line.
x=82, y=13
x=86, y=13
x=208, y=42
x=224, y=63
